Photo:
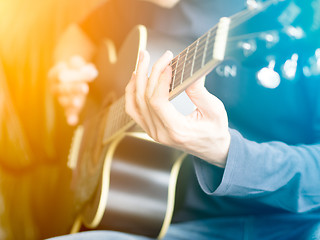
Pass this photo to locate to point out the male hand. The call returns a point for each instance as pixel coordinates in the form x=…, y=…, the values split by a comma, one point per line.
x=70, y=83
x=204, y=133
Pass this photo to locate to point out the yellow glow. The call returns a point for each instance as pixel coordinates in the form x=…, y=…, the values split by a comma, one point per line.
x=29, y=30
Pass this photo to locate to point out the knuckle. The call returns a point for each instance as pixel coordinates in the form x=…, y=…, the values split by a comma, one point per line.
x=147, y=98
x=154, y=104
x=139, y=99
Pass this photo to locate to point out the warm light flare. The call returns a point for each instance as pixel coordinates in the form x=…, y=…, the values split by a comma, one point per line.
x=29, y=30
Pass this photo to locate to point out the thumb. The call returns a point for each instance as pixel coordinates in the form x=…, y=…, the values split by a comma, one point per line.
x=199, y=95
x=208, y=104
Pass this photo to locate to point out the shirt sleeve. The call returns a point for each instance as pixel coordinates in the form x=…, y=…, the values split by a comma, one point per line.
x=275, y=173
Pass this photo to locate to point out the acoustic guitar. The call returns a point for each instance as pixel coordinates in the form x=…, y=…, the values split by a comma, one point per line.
x=125, y=181
x=122, y=179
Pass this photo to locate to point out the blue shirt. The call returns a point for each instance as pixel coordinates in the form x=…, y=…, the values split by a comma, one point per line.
x=273, y=164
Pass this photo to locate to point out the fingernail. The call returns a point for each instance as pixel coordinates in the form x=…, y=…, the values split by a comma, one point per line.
x=169, y=53
x=141, y=55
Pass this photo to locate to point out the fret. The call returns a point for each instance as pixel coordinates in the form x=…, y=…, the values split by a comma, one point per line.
x=175, y=61
x=210, y=47
x=177, y=80
x=199, y=55
x=184, y=64
x=193, y=58
x=190, y=59
x=197, y=63
x=205, y=48
x=194, y=55
x=179, y=67
x=188, y=63
x=187, y=66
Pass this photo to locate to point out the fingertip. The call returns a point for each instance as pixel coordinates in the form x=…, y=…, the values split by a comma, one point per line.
x=85, y=88
x=146, y=53
x=168, y=69
x=134, y=74
x=77, y=102
x=143, y=66
x=89, y=72
x=72, y=120
x=167, y=74
x=169, y=54
x=143, y=55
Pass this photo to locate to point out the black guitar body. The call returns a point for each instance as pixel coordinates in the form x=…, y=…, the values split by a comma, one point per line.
x=141, y=193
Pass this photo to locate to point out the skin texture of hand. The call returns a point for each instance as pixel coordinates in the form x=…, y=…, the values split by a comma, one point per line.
x=70, y=84
x=204, y=133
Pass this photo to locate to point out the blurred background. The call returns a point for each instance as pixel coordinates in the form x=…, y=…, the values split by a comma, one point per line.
x=32, y=206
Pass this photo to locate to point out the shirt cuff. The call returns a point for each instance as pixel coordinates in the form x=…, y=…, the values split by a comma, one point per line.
x=214, y=180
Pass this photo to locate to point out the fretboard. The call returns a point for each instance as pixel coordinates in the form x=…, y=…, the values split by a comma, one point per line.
x=199, y=58
x=193, y=62
x=192, y=59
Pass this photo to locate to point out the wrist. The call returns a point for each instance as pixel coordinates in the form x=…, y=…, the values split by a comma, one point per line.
x=220, y=151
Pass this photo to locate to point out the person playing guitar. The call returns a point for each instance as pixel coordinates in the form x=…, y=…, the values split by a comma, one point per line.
x=254, y=137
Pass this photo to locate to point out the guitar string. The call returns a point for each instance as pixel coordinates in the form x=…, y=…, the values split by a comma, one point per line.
x=232, y=25
x=241, y=17
x=191, y=47
x=195, y=57
x=120, y=103
x=231, y=39
x=190, y=65
x=199, y=46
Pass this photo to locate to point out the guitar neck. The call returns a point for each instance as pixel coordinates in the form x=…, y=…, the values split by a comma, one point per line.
x=199, y=58
x=195, y=61
x=117, y=121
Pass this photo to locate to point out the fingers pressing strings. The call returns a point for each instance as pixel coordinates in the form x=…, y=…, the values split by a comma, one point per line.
x=131, y=104
x=157, y=70
x=161, y=108
x=141, y=89
x=141, y=80
x=156, y=99
x=135, y=102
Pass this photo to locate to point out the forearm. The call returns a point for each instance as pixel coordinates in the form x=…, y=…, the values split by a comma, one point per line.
x=277, y=174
